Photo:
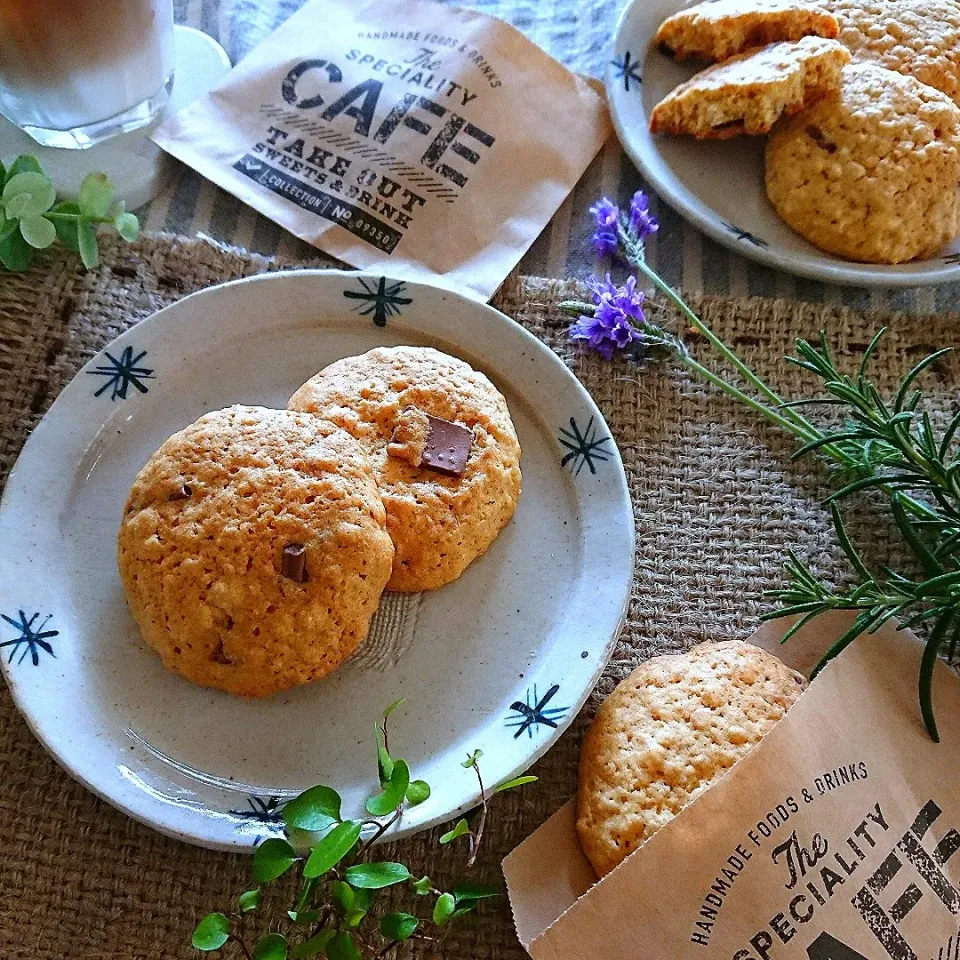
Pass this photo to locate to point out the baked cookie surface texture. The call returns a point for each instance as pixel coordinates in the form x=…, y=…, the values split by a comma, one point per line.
x=439, y=522
x=667, y=732
x=750, y=92
x=916, y=37
x=722, y=28
x=253, y=549
x=870, y=172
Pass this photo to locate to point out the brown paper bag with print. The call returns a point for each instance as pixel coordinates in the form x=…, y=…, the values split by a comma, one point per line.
x=836, y=838
x=416, y=138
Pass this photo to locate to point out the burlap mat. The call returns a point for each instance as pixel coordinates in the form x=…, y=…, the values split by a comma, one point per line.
x=716, y=503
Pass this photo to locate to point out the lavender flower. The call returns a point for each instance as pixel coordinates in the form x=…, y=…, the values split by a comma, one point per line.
x=613, y=326
x=606, y=214
x=642, y=222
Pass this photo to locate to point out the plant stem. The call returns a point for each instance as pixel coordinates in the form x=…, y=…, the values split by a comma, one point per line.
x=477, y=836
x=735, y=392
x=78, y=217
x=382, y=828
x=789, y=419
x=798, y=424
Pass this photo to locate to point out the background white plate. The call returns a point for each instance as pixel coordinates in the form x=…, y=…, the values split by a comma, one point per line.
x=719, y=186
x=501, y=660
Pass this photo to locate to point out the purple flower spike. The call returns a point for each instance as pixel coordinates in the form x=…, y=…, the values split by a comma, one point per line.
x=605, y=241
x=612, y=327
x=606, y=214
x=642, y=222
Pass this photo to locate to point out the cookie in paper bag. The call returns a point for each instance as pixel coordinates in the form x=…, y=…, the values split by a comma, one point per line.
x=667, y=732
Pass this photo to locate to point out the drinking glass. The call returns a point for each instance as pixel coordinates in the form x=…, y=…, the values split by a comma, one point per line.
x=76, y=72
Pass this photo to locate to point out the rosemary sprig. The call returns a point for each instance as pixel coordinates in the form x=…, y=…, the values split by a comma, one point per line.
x=886, y=444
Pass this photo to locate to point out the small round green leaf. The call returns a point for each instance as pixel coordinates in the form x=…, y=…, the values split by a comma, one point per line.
x=304, y=916
x=417, y=792
x=127, y=225
x=385, y=803
x=67, y=229
x=384, y=761
x=422, y=887
x=314, y=946
x=354, y=918
x=393, y=706
x=343, y=895
x=342, y=947
x=38, y=231
x=15, y=252
x=17, y=205
x=469, y=891
x=332, y=848
x=23, y=164
x=249, y=900
x=274, y=857
x=398, y=926
x=212, y=932
x=96, y=195
x=376, y=876
x=315, y=809
x=273, y=946
x=87, y=243
x=443, y=909
x=472, y=759
x=461, y=828
x=514, y=783
x=39, y=191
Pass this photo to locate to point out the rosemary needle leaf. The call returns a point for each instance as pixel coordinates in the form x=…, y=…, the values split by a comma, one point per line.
x=927, y=665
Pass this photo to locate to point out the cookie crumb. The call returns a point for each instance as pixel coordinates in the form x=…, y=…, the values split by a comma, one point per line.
x=410, y=436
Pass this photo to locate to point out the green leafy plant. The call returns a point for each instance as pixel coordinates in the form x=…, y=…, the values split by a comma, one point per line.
x=341, y=908
x=887, y=444
x=31, y=218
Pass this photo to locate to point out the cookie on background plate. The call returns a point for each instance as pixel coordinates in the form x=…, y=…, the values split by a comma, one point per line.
x=408, y=406
x=253, y=549
x=870, y=173
x=667, y=732
x=719, y=29
x=750, y=92
x=917, y=37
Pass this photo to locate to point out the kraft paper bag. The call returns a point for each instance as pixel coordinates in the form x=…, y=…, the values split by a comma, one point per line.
x=836, y=838
x=429, y=142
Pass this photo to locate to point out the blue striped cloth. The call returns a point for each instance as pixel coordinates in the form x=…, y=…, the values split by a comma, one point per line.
x=578, y=33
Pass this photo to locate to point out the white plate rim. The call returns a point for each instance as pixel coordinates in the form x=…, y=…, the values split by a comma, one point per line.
x=811, y=266
x=149, y=326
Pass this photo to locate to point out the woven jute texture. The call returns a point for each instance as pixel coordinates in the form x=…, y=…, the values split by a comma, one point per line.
x=717, y=504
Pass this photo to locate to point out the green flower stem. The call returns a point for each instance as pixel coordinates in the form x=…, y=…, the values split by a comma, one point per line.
x=77, y=217
x=792, y=421
x=737, y=393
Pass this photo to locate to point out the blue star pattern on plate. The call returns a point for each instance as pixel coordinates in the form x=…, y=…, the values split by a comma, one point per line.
x=122, y=373
x=532, y=712
x=745, y=235
x=383, y=300
x=265, y=811
x=627, y=69
x=31, y=638
x=953, y=259
x=585, y=447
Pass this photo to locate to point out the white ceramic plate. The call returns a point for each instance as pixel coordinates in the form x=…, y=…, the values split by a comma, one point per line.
x=500, y=660
x=719, y=186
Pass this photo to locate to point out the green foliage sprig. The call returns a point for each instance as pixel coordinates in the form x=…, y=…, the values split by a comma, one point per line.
x=339, y=910
x=887, y=444
x=31, y=217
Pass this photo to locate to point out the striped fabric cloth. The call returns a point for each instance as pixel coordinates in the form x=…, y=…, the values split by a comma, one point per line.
x=578, y=33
